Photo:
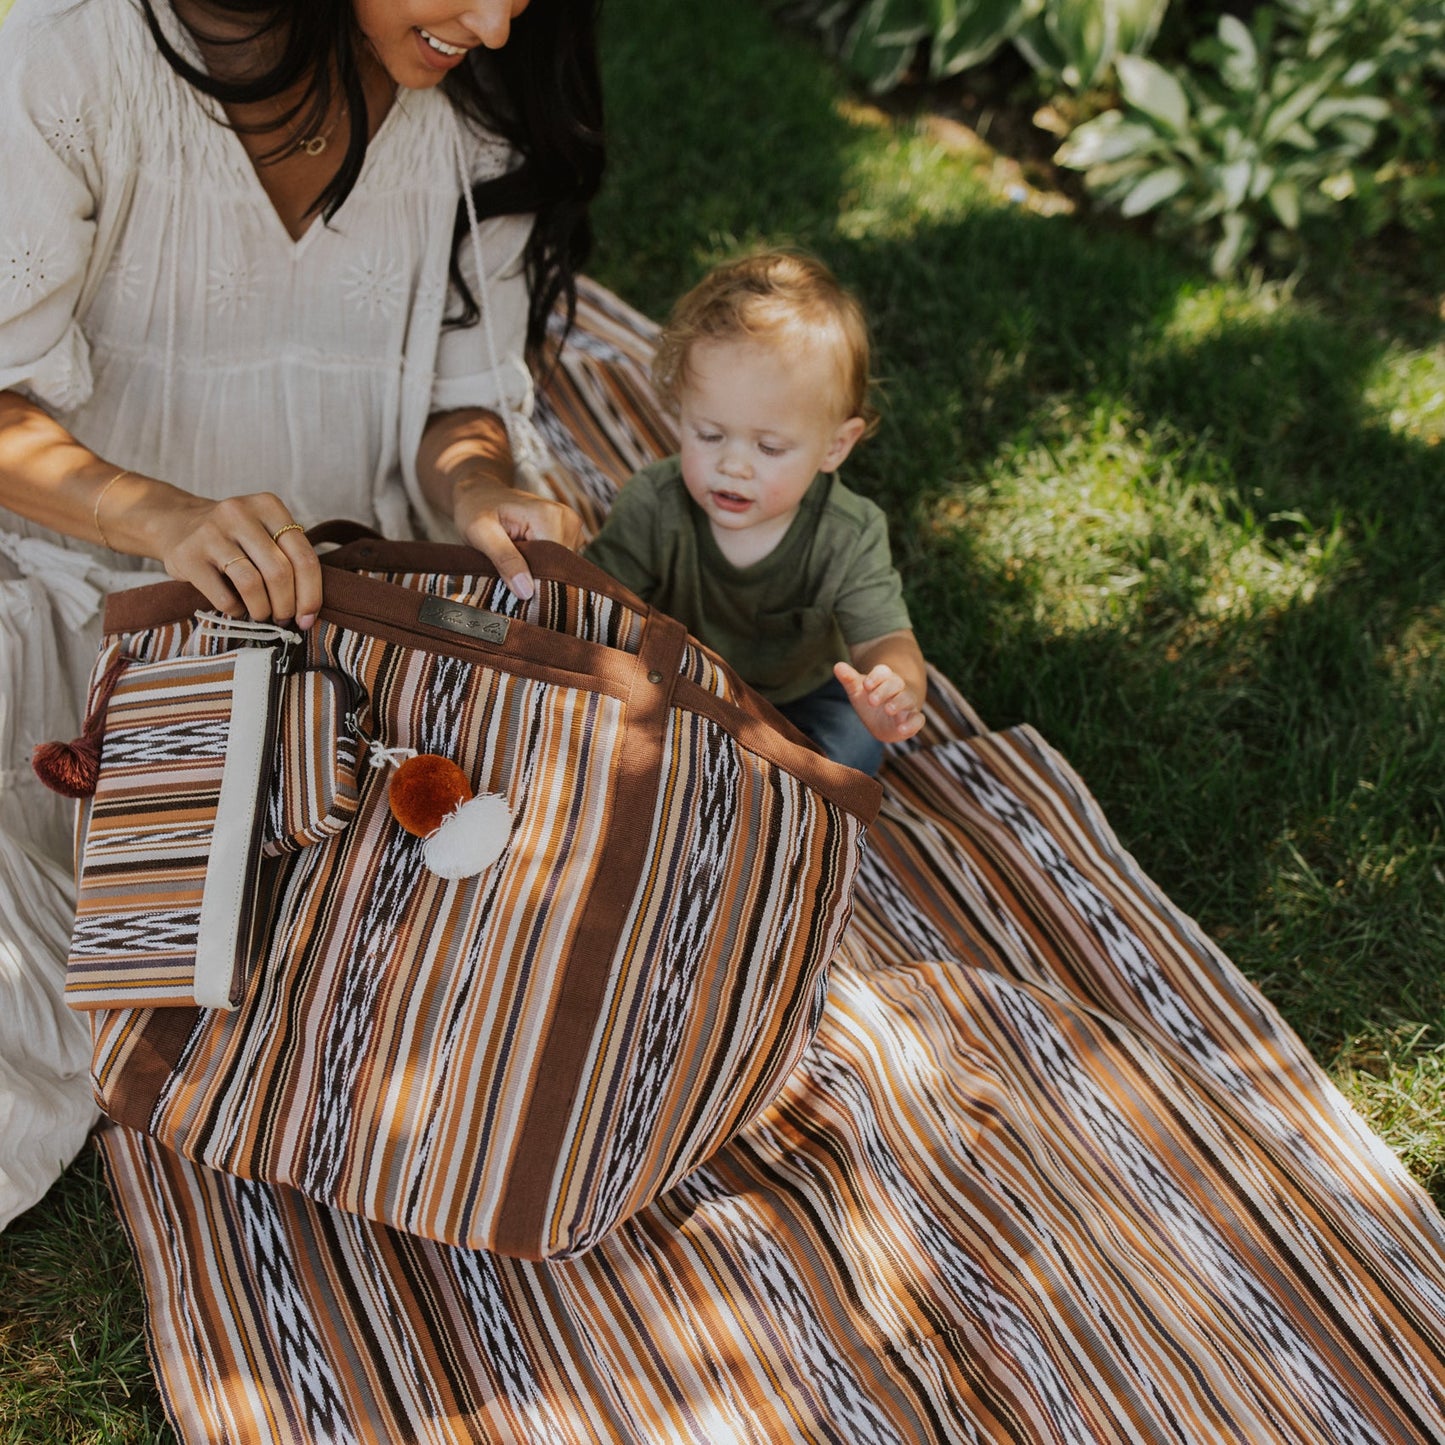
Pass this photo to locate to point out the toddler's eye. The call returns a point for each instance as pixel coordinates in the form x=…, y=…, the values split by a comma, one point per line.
x=768, y=451
x=707, y=436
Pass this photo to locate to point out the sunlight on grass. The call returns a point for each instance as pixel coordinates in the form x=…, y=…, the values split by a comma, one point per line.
x=899, y=181
x=1110, y=524
x=1407, y=388
x=1397, y=1080
x=1202, y=311
x=1416, y=658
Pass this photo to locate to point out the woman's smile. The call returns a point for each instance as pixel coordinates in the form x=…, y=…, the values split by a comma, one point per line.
x=442, y=47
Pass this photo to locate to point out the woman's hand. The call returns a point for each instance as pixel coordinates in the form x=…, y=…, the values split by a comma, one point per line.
x=246, y=554
x=464, y=466
x=493, y=517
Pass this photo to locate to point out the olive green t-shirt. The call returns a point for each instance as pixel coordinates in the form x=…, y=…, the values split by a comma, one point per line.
x=786, y=619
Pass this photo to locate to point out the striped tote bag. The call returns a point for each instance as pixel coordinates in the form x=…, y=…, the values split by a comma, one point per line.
x=517, y=1040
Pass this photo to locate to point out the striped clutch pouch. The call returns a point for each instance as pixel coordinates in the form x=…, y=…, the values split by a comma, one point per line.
x=314, y=792
x=169, y=845
x=511, y=1022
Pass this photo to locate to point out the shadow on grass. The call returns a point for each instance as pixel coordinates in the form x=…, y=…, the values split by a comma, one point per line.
x=1273, y=764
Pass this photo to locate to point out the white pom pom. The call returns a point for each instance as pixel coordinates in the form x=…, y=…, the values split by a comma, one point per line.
x=470, y=838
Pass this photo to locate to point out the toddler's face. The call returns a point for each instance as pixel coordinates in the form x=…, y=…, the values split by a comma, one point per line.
x=758, y=423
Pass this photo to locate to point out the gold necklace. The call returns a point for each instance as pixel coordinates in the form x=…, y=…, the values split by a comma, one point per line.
x=313, y=145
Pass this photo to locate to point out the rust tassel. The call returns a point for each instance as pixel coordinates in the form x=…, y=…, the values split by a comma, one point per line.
x=71, y=769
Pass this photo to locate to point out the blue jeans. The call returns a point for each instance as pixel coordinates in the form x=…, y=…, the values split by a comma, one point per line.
x=826, y=716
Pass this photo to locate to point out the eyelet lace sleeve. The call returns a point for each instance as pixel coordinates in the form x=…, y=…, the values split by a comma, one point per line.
x=51, y=97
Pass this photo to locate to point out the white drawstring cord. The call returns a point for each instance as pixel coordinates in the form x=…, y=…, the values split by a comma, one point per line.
x=381, y=756
x=244, y=629
x=529, y=451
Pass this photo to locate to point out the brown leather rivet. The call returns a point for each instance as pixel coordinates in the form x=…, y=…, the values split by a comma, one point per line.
x=654, y=676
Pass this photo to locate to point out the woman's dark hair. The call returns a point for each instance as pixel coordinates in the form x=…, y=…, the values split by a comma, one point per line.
x=541, y=93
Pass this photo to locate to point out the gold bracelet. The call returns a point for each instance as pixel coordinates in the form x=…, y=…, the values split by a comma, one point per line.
x=100, y=497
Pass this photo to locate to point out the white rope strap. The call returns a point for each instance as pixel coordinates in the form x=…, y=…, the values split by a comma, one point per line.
x=243, y=629
x=529, y=451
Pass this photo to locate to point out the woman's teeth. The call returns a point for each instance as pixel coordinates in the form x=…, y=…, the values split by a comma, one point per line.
x=440, y=46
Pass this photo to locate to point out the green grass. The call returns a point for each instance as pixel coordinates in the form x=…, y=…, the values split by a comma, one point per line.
x=73, y=1369
x=1190, y=531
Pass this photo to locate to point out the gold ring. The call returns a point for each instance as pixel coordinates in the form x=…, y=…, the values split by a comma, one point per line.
x=239, y=557
x=289, y=527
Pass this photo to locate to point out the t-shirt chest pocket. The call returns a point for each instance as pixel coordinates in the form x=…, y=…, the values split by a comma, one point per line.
x=784, y=640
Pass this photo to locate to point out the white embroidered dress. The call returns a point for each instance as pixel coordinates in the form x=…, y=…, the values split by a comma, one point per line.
x=152, y=301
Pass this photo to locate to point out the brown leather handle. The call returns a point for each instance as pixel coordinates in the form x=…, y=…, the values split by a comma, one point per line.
x=549, y=561
x=361, y=550
x=339, y=531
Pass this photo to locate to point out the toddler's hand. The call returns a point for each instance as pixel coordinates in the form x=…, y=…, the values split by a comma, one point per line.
x=888, y=707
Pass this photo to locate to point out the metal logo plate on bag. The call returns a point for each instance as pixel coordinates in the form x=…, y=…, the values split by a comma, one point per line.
x=464, y=618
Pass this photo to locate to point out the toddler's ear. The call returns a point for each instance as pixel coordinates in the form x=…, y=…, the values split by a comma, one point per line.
x=844, y=440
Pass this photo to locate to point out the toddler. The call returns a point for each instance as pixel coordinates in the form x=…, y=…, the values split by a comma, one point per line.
x=747, y=536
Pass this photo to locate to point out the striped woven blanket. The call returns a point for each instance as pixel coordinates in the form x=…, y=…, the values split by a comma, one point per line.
x=1052, y=1171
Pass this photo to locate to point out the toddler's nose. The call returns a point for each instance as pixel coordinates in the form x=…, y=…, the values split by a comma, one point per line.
x=734, y=464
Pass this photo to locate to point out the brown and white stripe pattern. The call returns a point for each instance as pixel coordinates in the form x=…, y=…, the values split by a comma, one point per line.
x=985, y=1206
x=146, y=920
x=314, y=791
x=1051, y=1171
x=522, y=1058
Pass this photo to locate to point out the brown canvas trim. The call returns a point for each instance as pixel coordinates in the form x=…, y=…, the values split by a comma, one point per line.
x=393, y=613
x=149, y=1063
x=158, y=603
x=549, y=561
x=770, y=738
x=138, y=608
x=523, y=1223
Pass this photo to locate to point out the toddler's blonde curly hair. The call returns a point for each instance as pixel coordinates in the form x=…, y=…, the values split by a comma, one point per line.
x=776, y=297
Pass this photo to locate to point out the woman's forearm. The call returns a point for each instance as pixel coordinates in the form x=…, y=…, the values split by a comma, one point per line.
x=244, y=553
x=464, y=467
x=462, y=450
x=48, y=477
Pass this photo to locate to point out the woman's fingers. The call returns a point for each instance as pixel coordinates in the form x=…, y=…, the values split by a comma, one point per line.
x=248, y=585
x=247, y=555
x=305, y=572
x=489, y=535
x=494, y=519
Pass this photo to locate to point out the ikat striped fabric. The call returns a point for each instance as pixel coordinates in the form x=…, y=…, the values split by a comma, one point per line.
x=150, y=832
x=522, y=1058
x=314, y=790
x=1051, y=1171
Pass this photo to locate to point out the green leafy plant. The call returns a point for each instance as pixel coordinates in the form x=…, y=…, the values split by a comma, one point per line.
x=882, y=41
x=1250, y=144
x=1274, y=123
x=1401, y=179
x=1076, y=41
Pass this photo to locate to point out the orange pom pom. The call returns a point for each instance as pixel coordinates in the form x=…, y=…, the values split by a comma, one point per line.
x=424, y=789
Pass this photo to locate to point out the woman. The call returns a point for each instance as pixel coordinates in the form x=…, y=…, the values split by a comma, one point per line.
x=242, y=290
